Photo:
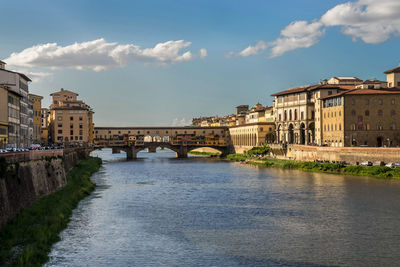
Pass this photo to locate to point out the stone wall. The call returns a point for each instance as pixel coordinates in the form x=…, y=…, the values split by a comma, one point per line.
x=27, y=180
x=349, y=154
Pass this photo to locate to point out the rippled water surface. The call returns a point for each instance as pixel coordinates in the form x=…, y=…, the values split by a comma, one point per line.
x=161, y=211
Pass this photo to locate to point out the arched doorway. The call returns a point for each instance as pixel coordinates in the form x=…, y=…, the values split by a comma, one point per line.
x=379, y=141
x=291, y=134
x=302, y=134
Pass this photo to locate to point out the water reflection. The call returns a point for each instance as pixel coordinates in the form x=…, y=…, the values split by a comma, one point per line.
x=163, y=211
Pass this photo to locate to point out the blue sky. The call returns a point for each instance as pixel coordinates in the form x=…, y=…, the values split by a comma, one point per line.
x=131, y=81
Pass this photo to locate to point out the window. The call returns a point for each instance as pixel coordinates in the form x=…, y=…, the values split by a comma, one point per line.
x=353, y=102
x=392, y=112
x=380, y=102
x=71, y=126
x=81, y=127
x=59, y=118
x=295, y=114
x=367, y=102
x=370, y=86
x=312, y=115
x=340, y=127
x=367, y=113
x=392, y=102
x=59, y=131
x=71, y=118
x=329, y=92
x=280, y=117
x=59, y=125
x=71, y=132
x=380, y=112
x=80, y=137
x=285, y=116
x=290, y=115
x=80, y=118
x=353, y=112
x=398, y=83
x=302, y=115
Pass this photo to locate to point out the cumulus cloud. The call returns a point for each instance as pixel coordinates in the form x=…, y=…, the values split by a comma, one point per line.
x=98, y=55
x=298, y=34
x=203, y=53
x=38, y=76
x=372, y=21
x=369, y=20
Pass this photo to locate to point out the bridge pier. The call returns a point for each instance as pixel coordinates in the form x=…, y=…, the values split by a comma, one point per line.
x=151, y=149
x=131, y=153
x=116, y=150
x=182, y=153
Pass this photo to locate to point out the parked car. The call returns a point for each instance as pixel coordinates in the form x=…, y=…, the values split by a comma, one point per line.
x=390, y=165
x=366, y=163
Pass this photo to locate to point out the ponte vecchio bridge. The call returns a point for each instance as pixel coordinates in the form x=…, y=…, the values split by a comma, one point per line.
x=179, y=139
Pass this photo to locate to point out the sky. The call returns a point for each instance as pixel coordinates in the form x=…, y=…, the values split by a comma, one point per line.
x=161, y=62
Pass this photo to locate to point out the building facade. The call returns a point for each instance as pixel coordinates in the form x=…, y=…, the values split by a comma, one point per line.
x=71, y=120
x=19, y=112
x=36, y=102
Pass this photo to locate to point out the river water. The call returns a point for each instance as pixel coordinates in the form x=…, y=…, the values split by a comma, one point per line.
x=162, y=211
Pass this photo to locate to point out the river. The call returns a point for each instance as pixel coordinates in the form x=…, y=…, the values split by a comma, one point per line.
x=162, y=211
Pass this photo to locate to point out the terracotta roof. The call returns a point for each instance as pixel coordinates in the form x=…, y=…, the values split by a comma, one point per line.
x=373, y=82
x=396, y=70
x=359, y=91
x=314, y=87
x=348, y=79
x=63, y=90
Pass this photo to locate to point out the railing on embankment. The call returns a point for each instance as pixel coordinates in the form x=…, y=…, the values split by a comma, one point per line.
x=348, y=154
x=13, y=157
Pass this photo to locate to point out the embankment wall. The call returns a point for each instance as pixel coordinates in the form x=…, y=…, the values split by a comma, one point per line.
x=31, y=175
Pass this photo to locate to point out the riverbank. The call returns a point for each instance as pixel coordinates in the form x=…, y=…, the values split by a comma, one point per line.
x=27, y=239
x=209, y=154
x=334, y=168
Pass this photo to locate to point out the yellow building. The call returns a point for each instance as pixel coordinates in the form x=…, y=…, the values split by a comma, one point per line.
x=364, y=116
x=71, y=120
x=37, y=117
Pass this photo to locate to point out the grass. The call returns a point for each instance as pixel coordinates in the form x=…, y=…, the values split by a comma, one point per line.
x=27, y=239
x=336, y=168
x=213, y=154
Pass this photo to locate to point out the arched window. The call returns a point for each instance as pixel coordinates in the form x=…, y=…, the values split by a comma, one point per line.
x=367, y=113
x=285, y=116
x=340, y=127
x=290, y=115
x=295, y=114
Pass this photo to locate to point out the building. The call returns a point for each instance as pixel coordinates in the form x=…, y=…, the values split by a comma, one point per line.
x=297, y=112
x=18, y=102
x=44, y=129
x=3, y=117
x=71, y=120
x=345, y=81
x=244, y=137
x=36, y=101
x=364, y=116
x=393, y=77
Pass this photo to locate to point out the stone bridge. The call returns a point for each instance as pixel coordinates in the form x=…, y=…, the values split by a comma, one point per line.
x=179, y=139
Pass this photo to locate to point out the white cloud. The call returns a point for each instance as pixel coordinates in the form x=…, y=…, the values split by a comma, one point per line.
x=181, y=122
x=372, y=21
x=253, y=50
x=203, y=53
x=298, y=34
x=37, y=76
x=98, y=55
